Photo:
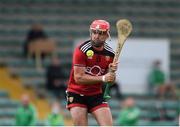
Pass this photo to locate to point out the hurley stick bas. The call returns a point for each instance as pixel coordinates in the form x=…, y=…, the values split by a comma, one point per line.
x=124, y=28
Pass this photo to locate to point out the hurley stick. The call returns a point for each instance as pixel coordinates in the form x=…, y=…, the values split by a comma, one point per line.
x=124, y=28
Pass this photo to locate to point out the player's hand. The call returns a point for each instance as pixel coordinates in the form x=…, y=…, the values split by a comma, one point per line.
x=110, y=77
x=113, y=67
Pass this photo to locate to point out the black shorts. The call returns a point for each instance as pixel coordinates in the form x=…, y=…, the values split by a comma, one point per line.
x=90, y=102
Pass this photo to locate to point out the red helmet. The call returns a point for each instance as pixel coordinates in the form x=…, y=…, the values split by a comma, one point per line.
x=101, y=25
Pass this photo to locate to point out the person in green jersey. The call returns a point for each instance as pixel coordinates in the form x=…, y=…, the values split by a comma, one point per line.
x=157, y=81
x=26, y=113
x=129, y=115
x=55, y=117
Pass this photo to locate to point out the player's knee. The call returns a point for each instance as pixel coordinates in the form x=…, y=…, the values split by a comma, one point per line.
x=80, y=122
x=106, y=123
x=109, y=123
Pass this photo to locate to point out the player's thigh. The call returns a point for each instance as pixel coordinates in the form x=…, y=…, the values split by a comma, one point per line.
x=103, y=116
x=79, y=116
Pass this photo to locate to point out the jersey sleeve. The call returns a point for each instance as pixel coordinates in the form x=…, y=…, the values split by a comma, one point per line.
x=79, y=58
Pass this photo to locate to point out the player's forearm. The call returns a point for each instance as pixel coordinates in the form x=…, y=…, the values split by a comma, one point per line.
x=87, y=79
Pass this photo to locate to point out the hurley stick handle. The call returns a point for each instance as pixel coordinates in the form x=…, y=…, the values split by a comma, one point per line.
x=124, y=28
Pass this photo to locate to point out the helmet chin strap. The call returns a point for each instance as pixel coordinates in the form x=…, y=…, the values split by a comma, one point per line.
x=97, y=44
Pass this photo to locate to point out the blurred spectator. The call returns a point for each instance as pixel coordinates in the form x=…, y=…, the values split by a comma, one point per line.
x=114, y=88
x=35, y=33
x=179, y=119
x=55, y=79
x=161, y=112
x=129, y=115
x=157, y=81
x=178, y=116
x=26, y=113
x=55, y=118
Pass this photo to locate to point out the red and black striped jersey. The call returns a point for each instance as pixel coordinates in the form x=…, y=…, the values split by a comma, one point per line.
x=96, y=64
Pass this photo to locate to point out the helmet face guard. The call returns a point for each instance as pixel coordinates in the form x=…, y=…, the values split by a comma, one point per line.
x=100, y=27
x=99, y=32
